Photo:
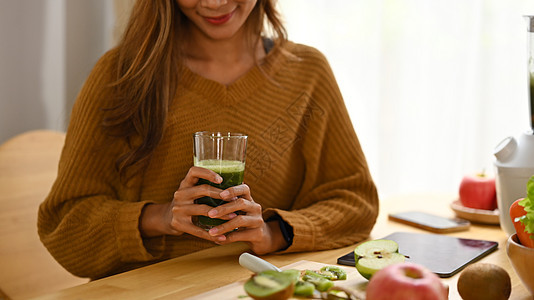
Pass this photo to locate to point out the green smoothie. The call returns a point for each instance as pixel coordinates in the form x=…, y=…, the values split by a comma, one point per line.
x=232, y=172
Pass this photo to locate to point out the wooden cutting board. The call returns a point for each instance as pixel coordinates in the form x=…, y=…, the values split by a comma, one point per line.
x=355, y=283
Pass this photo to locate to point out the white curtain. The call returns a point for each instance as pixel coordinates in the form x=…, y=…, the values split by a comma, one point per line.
x=432, y=86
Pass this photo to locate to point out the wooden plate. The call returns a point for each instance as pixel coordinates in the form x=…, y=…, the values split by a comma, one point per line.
x=476, y=215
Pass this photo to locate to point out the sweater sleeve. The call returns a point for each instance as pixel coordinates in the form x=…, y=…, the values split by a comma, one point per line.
x=88, y=222
x=338, y=203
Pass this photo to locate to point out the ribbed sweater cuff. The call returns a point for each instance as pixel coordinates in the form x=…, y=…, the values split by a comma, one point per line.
x=303, y=230
x=129, y=240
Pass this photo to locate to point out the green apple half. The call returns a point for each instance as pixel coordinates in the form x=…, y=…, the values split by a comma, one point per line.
x=372, y=256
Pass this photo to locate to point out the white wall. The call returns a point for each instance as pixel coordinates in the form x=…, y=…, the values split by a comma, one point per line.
x=47, y=48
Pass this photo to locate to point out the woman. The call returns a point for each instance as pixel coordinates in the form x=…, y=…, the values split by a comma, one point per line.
x=124, y=195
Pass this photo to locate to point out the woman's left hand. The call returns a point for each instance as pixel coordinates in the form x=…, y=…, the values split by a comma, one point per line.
x=261, y=236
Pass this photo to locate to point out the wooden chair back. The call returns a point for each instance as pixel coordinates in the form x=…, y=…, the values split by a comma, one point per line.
x=28, y=168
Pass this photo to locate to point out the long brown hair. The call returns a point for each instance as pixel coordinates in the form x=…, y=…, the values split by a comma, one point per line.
x=147, y=59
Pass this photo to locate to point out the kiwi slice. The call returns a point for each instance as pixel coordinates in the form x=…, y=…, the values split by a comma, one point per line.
x=337, y=272
x=321, y=282
x=375, y=255
x=293, y=274
x=270, y=285
x=304, y=289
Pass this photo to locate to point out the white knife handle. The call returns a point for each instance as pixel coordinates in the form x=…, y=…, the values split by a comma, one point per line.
x=255, y=264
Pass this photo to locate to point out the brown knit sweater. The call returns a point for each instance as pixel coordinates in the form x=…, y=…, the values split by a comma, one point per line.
x=304, y=163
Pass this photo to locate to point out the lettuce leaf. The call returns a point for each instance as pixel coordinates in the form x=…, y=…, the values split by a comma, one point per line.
x=528, y=205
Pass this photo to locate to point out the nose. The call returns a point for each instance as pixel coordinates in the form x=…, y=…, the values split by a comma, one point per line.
x=213, y=4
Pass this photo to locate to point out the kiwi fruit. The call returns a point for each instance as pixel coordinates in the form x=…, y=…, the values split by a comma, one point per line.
x=271, y=285
x=304, y=289
x=484, y=281
x=320, y=281
x=337, y=272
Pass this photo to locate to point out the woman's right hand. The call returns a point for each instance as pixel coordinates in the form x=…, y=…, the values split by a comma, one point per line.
x=175, y=217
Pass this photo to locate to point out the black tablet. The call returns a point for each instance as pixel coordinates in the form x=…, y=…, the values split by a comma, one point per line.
x=442, y=254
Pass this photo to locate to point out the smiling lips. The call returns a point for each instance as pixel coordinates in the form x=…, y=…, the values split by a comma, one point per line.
x=219, y=20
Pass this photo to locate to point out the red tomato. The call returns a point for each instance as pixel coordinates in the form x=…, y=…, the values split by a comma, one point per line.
x=524, y=237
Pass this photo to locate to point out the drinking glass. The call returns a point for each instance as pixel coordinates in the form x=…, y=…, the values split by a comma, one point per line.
x=223, y=153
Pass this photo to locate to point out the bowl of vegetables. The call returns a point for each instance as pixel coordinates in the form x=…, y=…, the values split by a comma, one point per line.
x=520, y=245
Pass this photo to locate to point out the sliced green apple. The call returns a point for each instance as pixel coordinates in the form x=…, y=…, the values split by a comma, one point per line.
x=375, y=255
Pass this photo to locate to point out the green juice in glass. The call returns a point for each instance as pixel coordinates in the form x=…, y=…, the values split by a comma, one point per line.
x=232, y=172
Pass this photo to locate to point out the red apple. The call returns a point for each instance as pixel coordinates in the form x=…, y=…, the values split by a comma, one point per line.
x=406, y=281
x=478, y=191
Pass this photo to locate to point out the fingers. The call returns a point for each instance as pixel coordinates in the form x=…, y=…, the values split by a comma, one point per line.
x=242, y=221
x=248, y=220
x=229, y=216
x=262, y=240
x=239, y=204
x=190, y=210
x=189, y=195
x=238, y=200
x=250, y=236
x=184, y=207
x=195, y=173
x=203, y=234
x=182, y=221
x=232, y=193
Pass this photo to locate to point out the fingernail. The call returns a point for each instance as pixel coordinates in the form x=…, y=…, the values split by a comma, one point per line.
x=225, y=194
x=212, y=213
x=221, y=238
x=219, y=179
x=213, y=231
x=232, y=215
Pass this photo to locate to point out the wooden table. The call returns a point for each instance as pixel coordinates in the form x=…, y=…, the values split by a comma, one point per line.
x=188, y=275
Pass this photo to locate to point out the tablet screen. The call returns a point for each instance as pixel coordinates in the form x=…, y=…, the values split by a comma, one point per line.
x=442, y=254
